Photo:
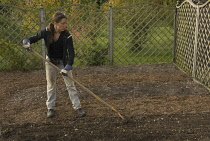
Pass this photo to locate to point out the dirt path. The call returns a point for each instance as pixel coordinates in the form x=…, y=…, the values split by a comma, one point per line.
x=160, y=102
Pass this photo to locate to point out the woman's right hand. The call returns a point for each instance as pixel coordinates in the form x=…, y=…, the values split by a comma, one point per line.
x=26, y=44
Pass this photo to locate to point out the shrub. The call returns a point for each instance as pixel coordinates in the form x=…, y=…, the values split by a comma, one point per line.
x=12, y=57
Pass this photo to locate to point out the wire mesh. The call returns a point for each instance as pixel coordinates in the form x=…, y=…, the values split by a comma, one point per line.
x=88, y=27
x=135, y=34
x=142, y=33
x=186, y=23
x=15, y=24
x=193, y=40
x=203, y=52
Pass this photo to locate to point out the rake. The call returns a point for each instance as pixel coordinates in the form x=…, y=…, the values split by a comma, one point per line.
x=83, y=87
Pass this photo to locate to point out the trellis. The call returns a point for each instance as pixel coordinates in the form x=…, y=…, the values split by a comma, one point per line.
x=193, y=40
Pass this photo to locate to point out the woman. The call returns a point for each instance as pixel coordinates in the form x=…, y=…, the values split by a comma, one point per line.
x=60, y=51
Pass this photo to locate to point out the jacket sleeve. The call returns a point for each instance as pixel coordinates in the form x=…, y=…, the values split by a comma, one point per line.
x=70, y=54
x=70, y=51
x=38, y=36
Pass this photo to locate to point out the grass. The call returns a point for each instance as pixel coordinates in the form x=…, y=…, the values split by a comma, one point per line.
x=158, y=47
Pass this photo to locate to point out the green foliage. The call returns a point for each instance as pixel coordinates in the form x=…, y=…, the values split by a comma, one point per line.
x=138, y=24
x=13, y=2
x=16, y=24
x=92, y=54
x=9, y=29
x=94, y=46
x=97, y=57
x=128, y=2
x=11, y=58
x=158, y=48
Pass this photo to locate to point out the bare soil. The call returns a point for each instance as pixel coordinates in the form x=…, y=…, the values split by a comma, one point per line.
x=160, y=102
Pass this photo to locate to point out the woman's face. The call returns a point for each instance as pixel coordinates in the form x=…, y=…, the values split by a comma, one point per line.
x=61, y=26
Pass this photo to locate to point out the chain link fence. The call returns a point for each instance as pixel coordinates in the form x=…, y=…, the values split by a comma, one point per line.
x=135, y=34
x=193, y=40
x=142, y=33
x=16, y=24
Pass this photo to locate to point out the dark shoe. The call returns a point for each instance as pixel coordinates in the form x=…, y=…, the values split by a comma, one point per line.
x=50, y=113
x=81, y=112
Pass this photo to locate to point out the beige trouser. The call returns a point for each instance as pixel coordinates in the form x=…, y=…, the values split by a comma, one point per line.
x=51, y=74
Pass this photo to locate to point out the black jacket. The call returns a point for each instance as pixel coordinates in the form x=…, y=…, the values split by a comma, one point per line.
x=68, y=49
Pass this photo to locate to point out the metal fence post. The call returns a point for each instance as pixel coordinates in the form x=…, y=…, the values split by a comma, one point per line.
x=175, y=33
x=42, y=25
x=111, y=44
x=196, y=42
